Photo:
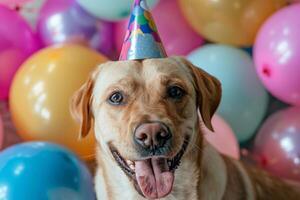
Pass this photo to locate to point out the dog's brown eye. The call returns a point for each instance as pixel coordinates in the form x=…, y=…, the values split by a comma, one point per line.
x=116, y=98
x=175, y=92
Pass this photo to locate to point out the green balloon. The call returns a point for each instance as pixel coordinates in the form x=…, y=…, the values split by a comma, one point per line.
x=244, y=100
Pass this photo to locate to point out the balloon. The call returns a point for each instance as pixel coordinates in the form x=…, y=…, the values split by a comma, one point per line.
x=17, y=42
x=13, y=2
x=43, y=171
x=277, y=145
x=110, y=10
x=66, y=22
x=294, y=1
x=223, y=138
x=1, y=132
x=244, y=100
x=178, y=38
x=276, y=54
x=234, y=22
x=29, y=9
x=41, y=92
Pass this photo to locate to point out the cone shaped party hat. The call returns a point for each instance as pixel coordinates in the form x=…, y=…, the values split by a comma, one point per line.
x=142, y=39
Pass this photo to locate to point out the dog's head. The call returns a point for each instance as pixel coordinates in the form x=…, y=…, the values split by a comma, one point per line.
x=145, y=115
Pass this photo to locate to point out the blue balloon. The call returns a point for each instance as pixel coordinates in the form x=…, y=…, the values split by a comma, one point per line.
x=43, y=171
x=244, y=101
x=112, y=10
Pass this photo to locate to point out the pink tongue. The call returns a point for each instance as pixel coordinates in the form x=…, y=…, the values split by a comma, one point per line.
x=154, y=178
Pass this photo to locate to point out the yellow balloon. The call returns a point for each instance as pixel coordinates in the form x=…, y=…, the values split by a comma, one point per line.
x=233, y=22
x=41, y=92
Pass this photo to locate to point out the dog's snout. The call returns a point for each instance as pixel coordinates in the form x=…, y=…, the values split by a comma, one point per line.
x=153, y=135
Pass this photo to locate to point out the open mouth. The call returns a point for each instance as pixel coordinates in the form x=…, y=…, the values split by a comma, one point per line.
x=153, y=178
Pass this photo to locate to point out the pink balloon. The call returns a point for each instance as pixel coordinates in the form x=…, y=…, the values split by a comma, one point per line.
x=17, y=42
x=178, y=37
x=276, y=53
x=11, y=3
x=277, y=145
x=223, y=139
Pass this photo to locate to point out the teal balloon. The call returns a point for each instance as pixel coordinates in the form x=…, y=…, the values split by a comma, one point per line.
x=244, y=100
x=43, y=171
x=111, y=10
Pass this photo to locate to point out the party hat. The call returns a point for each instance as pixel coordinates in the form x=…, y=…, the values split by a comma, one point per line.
x=142, y=39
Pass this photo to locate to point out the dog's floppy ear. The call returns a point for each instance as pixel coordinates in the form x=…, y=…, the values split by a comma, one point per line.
x=80, y=106
x=209, y=92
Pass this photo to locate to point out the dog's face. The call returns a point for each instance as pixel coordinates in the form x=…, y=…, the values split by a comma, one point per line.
x=145, y=116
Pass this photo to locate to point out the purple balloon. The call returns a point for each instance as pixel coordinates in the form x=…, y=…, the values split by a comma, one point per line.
x=66, y=22
x=17, y=42
x=277, y=145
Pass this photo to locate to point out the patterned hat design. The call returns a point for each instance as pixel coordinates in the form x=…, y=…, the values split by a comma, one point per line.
x=142, y=40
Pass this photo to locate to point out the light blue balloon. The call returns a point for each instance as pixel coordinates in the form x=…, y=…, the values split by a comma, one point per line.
x=244, y=101
x=111, y=10
x=43, y=171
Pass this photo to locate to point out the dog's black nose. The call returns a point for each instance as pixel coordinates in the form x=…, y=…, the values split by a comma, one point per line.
x=152, y=135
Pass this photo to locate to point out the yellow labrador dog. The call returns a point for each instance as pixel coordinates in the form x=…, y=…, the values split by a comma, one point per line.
x=150, y=144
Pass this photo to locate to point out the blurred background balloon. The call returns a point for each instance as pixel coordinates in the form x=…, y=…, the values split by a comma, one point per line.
x=13, y=3
x=277, y=145
x=234, y=22
x=43, y=171
x=244, y=101
x=66, y=22
x=177, y=36
x=1, y=131
x=41, y=93
x=29, y=9
x=223, y=138
x=111, y=10
x=17, y=42
x=276, y=54
x=294, y=1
